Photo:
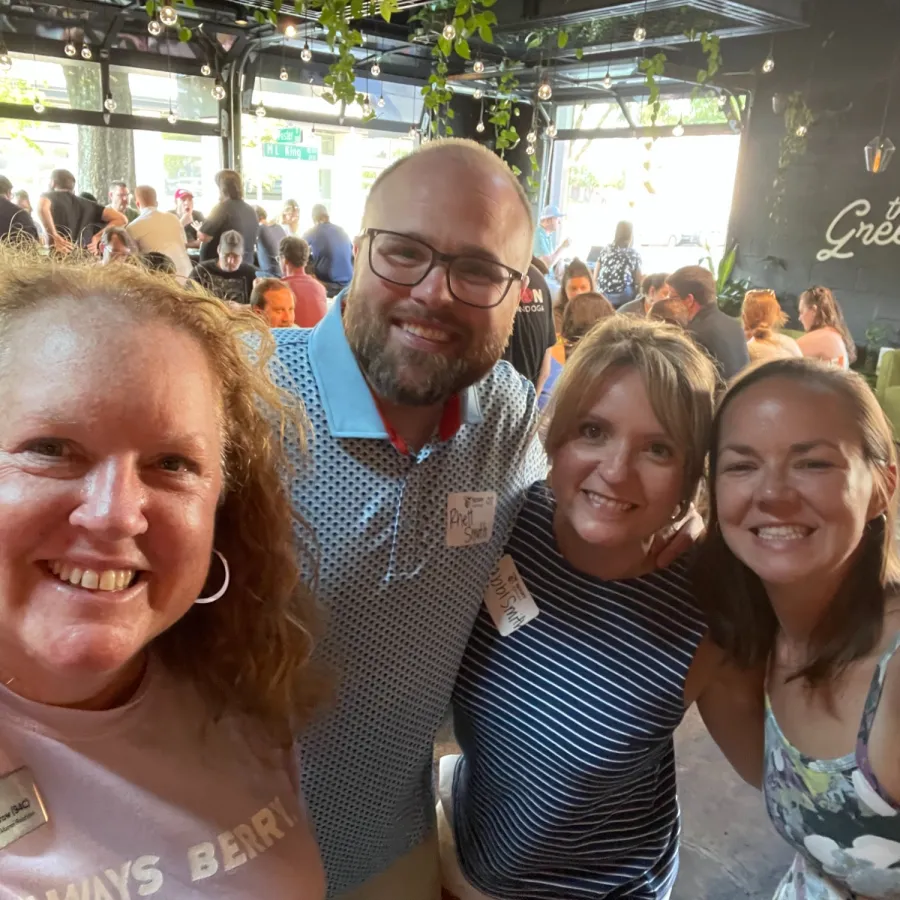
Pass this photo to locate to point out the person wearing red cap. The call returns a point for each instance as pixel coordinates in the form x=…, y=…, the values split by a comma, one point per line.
x=191, y=220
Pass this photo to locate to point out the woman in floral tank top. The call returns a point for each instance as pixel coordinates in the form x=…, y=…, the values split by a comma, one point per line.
x=803, y=474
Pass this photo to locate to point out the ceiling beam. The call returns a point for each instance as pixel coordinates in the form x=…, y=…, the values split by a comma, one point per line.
x=643, y=131
x=99, y=120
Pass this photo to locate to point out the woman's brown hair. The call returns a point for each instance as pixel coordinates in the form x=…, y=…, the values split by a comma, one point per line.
x=829, y=315
x=581, y=314
x=248, y=653
x=740, y=614
x=761, y=314
x=575, y=269
x=678, y=376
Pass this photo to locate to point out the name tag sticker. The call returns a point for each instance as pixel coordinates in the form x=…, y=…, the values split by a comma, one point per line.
x=21, y=807
x=470, y=518
x=508, y=600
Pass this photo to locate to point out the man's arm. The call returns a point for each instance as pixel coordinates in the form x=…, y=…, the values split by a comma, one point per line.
x=54, y=238
x=553, y=258
x=113, y=217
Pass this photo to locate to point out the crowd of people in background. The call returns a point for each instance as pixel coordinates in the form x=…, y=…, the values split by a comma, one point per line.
x=225, y=252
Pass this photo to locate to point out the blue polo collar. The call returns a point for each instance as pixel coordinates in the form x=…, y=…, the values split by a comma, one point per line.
x=348, y=403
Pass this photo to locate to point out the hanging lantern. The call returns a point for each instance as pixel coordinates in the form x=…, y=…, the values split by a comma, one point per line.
x=545, y=92
x=306, y=53
x=768, y=65
x=531, y=137
x=154, y=26
x=108, y=103
x=879, y=152
x=206, y=70
x=801, y=131
x=70, y=50
x=218, y=90
x=449, y=31
x=607, y=81
x=478, y=67
x=283, y=74
x=171, y=118
x=678, y=130
x=640, y=34
x=380, y=103
x=375, y=70
x=38, y=106
x=530, y=149
x=480, y=126
x=86, y=52
x=260, y=111
x=168, y=16
x=290, y=32
x=552, y=130
x=478, y=94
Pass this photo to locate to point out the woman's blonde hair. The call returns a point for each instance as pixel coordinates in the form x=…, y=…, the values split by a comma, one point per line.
x=762, y=314
x=680, y=380
x=740, y=613
x=248, y=652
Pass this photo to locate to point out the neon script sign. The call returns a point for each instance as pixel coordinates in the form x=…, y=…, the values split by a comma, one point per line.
x=843, y=232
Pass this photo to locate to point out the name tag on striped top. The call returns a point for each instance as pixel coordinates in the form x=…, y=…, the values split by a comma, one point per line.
x=508, y=601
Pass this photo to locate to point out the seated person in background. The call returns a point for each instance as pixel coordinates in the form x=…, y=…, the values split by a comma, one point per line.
x=270, y=237
x=582, y=313
x=669, y=311
x=117, y=245
x=827, y=336
x=158, y=262
x=762, y=316
x=190, y=219
x=15, y=222
x=156, y=231
x=653, y=288
x=145, y=716
x=70, y=221
x=119, y=195
x=618, y=270
x=229, y=278
x=576, y=279
x=694, y=300
x=332, y=251
x=545, y=246
x=274, y=301
x=23, y=201
x=310, y=299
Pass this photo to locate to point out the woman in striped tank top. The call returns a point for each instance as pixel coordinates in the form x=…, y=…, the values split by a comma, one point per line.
x=804, y=493
x=585, y=656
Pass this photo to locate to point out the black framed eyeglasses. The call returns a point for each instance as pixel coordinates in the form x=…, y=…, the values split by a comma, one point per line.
x=473, y=280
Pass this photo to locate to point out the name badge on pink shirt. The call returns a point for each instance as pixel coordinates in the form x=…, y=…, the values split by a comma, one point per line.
x=21, y=808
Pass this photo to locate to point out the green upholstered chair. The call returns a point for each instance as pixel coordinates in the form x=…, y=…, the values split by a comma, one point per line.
x=887, y=387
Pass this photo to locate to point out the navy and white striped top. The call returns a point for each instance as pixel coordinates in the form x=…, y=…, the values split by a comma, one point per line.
x=567, y=784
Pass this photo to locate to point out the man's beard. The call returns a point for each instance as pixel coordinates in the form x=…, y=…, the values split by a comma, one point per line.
x=411, y=377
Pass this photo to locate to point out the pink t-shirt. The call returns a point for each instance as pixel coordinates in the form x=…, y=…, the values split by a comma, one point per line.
x=148, y=801
x=310, y=299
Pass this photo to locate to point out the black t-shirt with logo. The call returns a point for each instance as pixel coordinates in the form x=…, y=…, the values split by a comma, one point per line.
x=234, y=286
x=533, y=331
x=75, y=218
x=230, y=215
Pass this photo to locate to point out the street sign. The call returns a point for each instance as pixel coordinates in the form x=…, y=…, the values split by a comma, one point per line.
x=291, y=135
x=290, y=151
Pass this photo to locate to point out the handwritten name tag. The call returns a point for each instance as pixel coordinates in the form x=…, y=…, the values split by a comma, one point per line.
x=21, y=808
x=508, y=601
x=470, y=518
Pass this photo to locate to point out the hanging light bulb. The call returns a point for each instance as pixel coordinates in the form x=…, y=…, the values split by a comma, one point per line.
x=768, y=65
x=70, y=50
x=108, y=103
x=449, y=31
x=171, y=118
x=380, y=103
x=206, y=70
x=366, y=107
x=531, y=137
x=478, y=67
x=640, y=34
x=552, y=130
x=283, y=74
x=530, y=149
x=260, y=111
x=154, y=26
x=678, y=130
x=38, y=106
x=218, y=90
x=375, y=70
x=801, y=131
x=607, y=81
x=290, y=32
x=722, y=101
x=306, y=53
x=878, y=154
x=168, y=16
x=86, y=52
x=480, y=126
x=479, y=93
x=545, y=92
x=413, y=131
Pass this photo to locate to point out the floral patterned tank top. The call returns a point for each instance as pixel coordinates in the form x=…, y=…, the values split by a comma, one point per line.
x=845, y=828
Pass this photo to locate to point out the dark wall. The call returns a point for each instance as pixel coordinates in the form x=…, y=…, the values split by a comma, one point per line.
x=842, y=65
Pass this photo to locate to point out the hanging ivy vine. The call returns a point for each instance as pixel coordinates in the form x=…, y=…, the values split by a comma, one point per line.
x=798, y=118
x=653, y=67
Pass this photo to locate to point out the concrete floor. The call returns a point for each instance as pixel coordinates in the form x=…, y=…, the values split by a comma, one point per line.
x=729, y=851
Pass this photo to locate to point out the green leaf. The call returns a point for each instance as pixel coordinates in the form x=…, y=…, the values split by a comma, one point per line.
x=184, y=34
x=516, y=171
x=356, y=9
x=462, y=48
x=701, y=76
x=150, y=6
x=485, y=33
x=462, y=7
x=448, y=130
x=277, y=4
x=190, y=4
x=444, y=45
x=388, y=8
x=562, y=39
x=579, y=53
x=488, y=18
x=534, y=42
x=258, y=15
x=451, y=114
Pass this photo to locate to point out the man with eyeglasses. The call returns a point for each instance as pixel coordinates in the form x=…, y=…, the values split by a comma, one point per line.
x=422, y=448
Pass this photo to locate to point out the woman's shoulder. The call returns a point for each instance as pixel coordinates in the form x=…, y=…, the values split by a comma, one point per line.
x=788, y=343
